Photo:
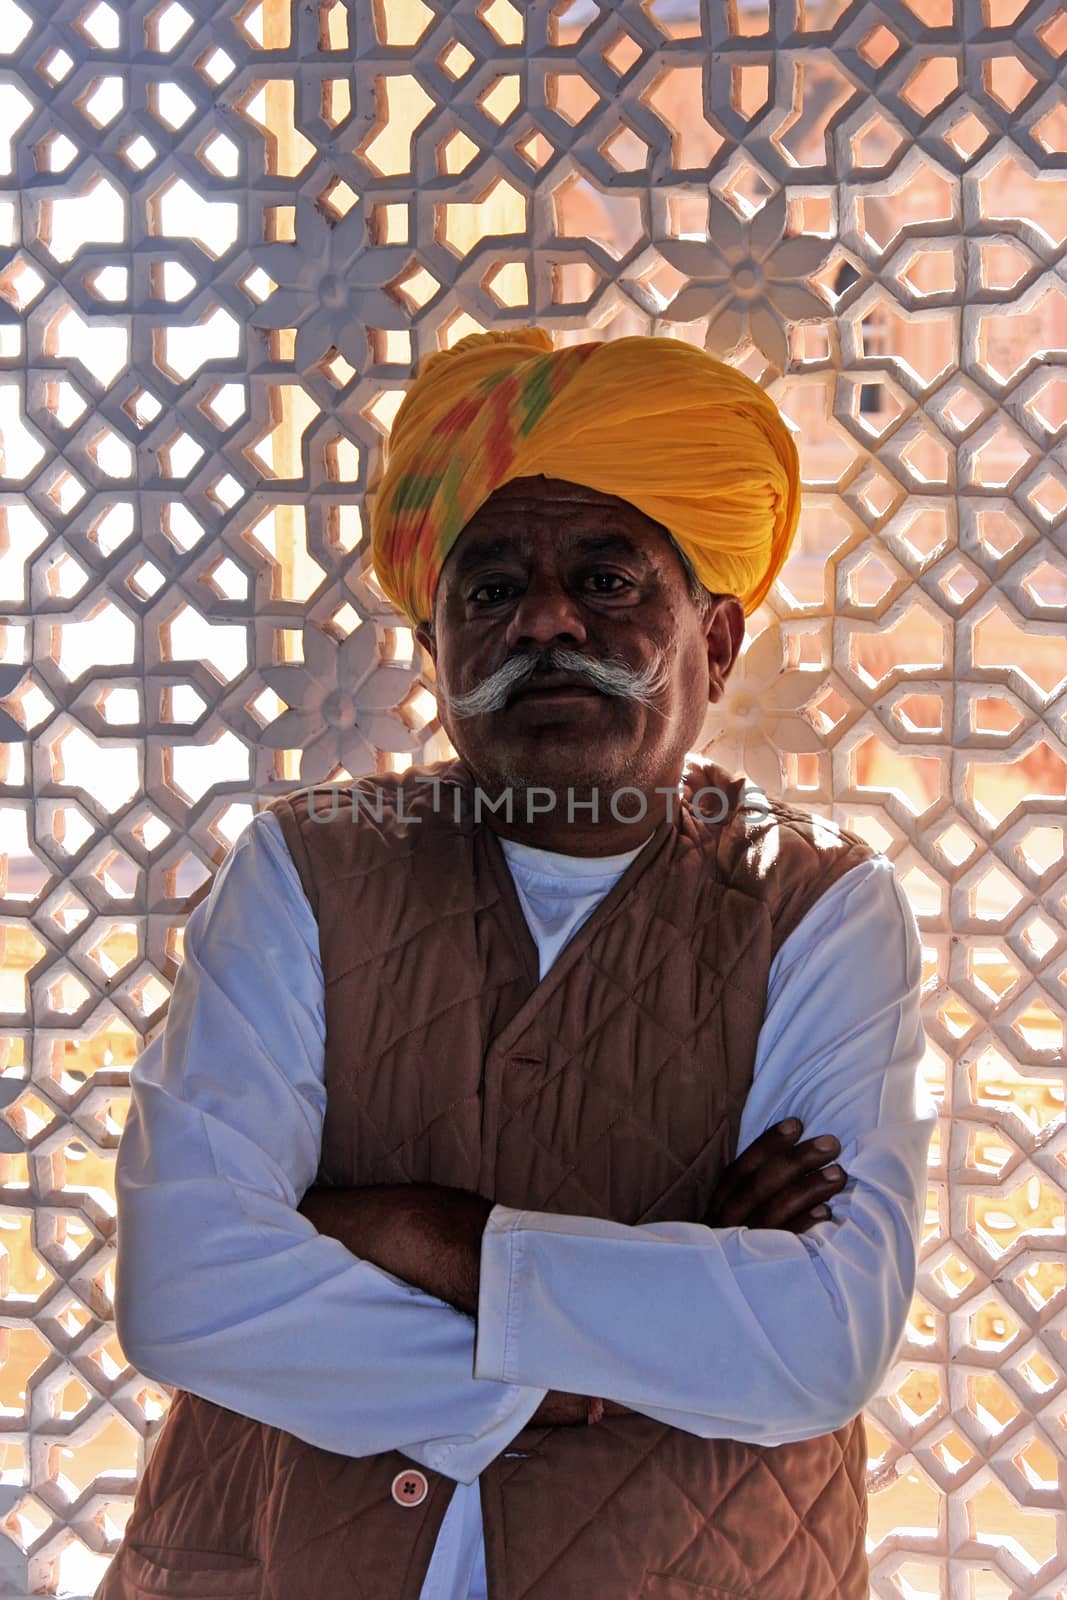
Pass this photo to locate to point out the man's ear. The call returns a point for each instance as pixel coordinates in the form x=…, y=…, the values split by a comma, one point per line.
x=724, y=631
x=426, y=640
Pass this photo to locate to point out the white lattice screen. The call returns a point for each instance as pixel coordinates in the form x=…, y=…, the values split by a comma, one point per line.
x=228, y=232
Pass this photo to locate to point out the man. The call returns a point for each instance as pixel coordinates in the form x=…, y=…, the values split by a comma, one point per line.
x=429, y=1200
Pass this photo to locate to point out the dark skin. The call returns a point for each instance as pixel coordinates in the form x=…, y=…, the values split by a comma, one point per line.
x=549, y=562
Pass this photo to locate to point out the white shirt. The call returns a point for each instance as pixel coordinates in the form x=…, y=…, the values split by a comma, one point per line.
x=225, y=1290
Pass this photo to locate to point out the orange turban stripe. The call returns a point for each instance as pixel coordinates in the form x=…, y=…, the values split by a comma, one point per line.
x=690, y=441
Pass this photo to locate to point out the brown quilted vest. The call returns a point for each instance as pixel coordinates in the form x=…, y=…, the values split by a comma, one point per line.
x=614, y=1088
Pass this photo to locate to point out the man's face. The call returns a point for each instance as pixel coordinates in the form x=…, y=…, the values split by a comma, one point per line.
x=549, y=564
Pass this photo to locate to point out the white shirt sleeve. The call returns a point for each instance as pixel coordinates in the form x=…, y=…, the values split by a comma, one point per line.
x=222, y=1287
x=753, y=1334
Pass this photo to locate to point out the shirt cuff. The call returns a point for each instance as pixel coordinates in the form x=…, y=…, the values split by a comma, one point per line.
x=495, y=1293
x=465, y=1459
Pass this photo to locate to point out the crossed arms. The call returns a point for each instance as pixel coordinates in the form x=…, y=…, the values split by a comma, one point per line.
x=227, y=1289
x=431, y=1236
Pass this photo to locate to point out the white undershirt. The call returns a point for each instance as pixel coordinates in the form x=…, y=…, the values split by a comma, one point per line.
x=558, y=892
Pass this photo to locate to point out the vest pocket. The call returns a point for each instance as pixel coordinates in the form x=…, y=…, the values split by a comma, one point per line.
x=175, y=1574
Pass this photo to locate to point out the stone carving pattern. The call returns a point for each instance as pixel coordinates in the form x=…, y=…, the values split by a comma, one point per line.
x=230, y=230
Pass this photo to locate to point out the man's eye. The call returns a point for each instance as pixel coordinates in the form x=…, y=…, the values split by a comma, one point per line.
x=492, y=592
x=496, y=591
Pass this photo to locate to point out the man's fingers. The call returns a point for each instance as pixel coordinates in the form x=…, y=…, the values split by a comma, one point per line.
x=782, y=1164
x=774, y=1142
x=809, y=1219
x=797, y=1198
x=732, y=1197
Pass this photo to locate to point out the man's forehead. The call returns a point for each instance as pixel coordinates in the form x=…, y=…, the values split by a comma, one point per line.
x=548, y=492
x=555, y=502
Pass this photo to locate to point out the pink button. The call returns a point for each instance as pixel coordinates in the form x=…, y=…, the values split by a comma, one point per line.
x=410, y=1488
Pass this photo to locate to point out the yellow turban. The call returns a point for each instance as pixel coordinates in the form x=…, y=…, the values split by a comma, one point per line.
x=693, y=443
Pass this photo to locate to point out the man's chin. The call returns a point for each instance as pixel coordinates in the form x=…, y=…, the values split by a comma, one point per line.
x=502, y=752
x=564, y=767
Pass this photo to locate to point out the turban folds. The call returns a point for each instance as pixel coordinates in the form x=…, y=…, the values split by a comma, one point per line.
x=690, y=441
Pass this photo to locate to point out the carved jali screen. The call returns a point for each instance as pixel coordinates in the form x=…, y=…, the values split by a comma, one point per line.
x=228, y=232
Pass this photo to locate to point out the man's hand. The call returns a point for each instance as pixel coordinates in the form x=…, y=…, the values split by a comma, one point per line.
x=774, y=1183
x=777, y=1183
x=560, y=1409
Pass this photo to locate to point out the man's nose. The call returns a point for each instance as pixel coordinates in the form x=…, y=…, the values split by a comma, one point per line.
x=544, y=614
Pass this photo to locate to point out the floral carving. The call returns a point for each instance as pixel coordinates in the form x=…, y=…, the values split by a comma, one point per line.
x=341, y=701
x=747, y=279
x=330, y=286
x=759, y=715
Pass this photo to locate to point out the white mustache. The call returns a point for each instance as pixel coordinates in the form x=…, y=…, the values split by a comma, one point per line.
x=611, y=676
